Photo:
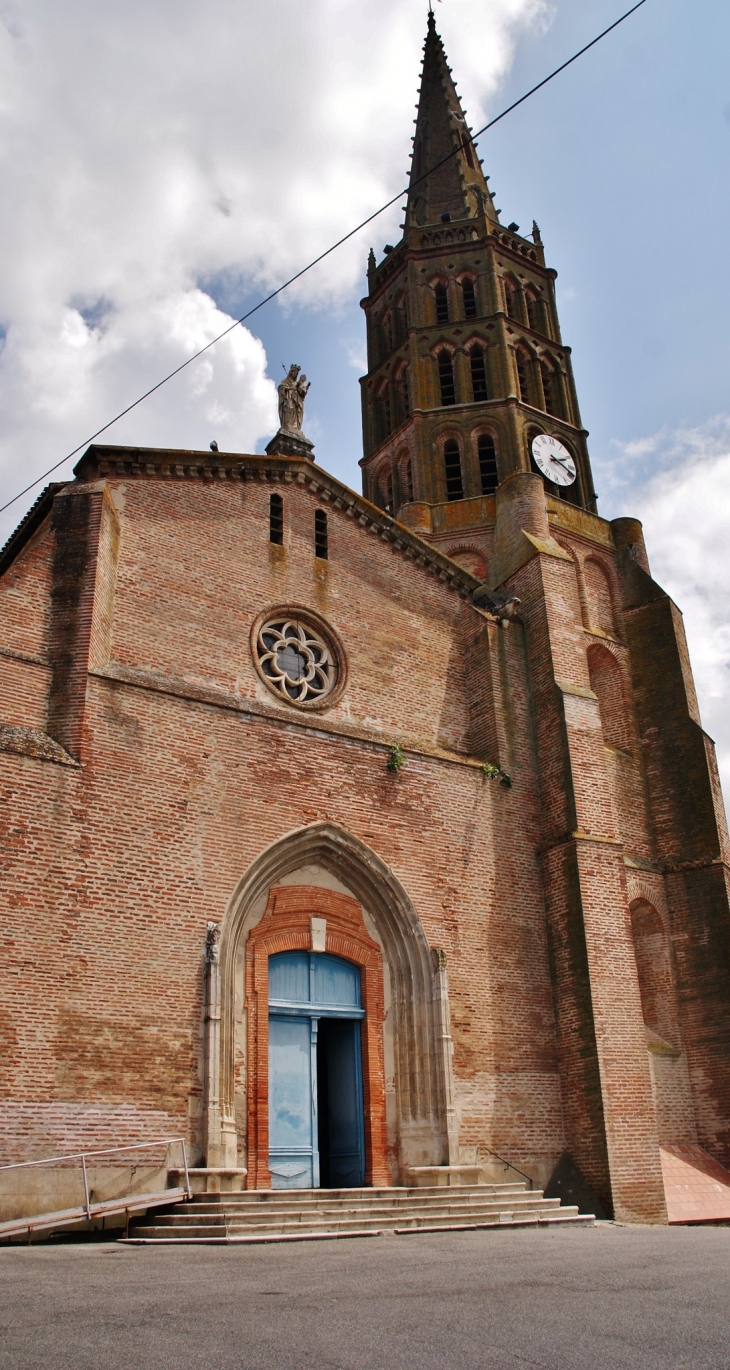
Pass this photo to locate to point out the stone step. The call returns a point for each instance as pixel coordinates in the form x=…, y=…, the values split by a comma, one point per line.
x=319, y=1198
x=355, y=1226
x=394, y=1192
x=189, y=1214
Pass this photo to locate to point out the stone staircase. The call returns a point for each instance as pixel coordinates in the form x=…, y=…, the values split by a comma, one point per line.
x=269, y=1215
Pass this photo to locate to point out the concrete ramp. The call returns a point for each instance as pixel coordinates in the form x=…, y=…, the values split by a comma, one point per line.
x=696, y=1186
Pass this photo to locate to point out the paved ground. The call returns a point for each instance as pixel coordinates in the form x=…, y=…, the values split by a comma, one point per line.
x=596, y=1299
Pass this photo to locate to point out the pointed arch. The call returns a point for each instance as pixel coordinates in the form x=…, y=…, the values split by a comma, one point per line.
x=524, y=362
x=607, y=685
x=550, y=387
x=653, y=965
x=420, y=1085
x=471, y=557
x=447, y=384
x=452, y=469
x=478, y=367
x=469, y=297
x=441, y=299
x=534, y=302
x=512, y=298
x=599, y=597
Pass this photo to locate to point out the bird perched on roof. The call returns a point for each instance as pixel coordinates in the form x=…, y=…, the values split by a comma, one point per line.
x=214, y=446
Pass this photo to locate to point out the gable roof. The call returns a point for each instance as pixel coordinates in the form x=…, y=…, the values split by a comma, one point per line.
x=99, y=462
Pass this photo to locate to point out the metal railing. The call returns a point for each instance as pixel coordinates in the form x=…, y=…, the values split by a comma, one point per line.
x=105, y=1207
x=508, y=1165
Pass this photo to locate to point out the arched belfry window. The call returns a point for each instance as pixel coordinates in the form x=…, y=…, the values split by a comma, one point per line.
x=452, y=467
x=442, y=302
x=523, y=374
x=487, y=463
x=470, y=299
x=511, y=299
x=534, y=311
x=446, y=377
x=383, y=423
x=477, y=361
x=550, y=389
x=401, y=395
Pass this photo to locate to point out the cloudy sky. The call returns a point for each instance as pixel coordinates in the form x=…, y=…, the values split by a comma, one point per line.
x=166, y=163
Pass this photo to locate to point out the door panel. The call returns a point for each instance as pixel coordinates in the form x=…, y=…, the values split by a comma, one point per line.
x=341, y=1128
x=293, y=1156
x=315, y=1091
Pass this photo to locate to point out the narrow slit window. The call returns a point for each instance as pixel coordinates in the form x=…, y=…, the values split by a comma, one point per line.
x=470, y=299
x=321, y=543
x=479, y=386
x=487, y=464
x=276, y=520
x=446, y=378
x=466, y=144
x=452, y=464
x=511, y=300
x=442, y=303
x=408, y=476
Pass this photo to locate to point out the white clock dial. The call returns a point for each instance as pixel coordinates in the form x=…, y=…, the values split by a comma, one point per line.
x=553, y=460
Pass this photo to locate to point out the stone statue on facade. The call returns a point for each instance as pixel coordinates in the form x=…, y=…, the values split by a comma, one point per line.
x=290, y=440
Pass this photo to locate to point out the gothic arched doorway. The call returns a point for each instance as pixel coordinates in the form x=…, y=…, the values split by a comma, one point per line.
x=321, y=890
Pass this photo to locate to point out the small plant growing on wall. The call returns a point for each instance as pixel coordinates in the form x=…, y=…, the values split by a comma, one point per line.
x=496, y=773
x=396, y=758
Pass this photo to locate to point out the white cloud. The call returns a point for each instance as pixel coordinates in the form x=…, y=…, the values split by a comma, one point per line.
x=148, y=147
x=685, y=509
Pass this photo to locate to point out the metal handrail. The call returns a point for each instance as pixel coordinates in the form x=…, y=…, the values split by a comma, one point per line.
x=508, y=1164
x=83, y=1156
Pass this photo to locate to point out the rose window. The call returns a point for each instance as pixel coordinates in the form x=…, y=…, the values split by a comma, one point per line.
x=295, y=661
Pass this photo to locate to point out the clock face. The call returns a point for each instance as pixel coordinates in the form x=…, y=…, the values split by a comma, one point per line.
x=553, y=460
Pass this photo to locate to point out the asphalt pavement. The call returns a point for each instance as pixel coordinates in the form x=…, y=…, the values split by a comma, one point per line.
x=602, y=1298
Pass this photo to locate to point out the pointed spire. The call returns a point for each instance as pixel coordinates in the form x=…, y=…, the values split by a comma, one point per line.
x=458, y=187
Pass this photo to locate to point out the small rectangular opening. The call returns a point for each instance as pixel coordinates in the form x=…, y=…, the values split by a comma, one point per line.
x=321, y=548
x=276, y=520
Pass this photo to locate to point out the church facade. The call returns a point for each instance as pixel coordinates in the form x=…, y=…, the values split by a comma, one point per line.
x=352, y=837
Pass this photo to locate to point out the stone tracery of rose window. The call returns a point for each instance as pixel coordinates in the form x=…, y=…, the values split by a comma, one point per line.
x=296, y=661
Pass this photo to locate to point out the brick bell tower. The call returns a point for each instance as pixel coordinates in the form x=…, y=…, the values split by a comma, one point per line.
x=465, y=360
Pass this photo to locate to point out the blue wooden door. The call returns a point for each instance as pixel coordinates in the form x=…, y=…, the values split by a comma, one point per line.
x=293, y=1155
x=315, y=1092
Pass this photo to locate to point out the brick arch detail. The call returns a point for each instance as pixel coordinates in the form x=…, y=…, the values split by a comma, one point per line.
x=475, y=555
x=285, y=926
x=420, y=1084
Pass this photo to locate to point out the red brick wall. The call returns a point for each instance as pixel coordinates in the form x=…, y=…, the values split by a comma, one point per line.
x=190, y=768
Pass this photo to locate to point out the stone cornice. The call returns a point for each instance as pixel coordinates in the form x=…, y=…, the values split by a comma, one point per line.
x=210, y=468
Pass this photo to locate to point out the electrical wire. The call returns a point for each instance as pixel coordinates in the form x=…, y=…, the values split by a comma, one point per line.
x=316, y=260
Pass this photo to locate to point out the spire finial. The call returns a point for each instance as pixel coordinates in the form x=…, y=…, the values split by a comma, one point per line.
x=456, y=186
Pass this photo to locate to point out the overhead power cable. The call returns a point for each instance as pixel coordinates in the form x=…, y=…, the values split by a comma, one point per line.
x=316, y=260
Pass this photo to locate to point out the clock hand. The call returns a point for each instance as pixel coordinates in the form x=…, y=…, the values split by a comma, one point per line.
x=562, y=463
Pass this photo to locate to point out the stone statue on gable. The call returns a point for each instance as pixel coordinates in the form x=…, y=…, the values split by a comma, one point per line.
x=292, y=393
x=290, y=440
